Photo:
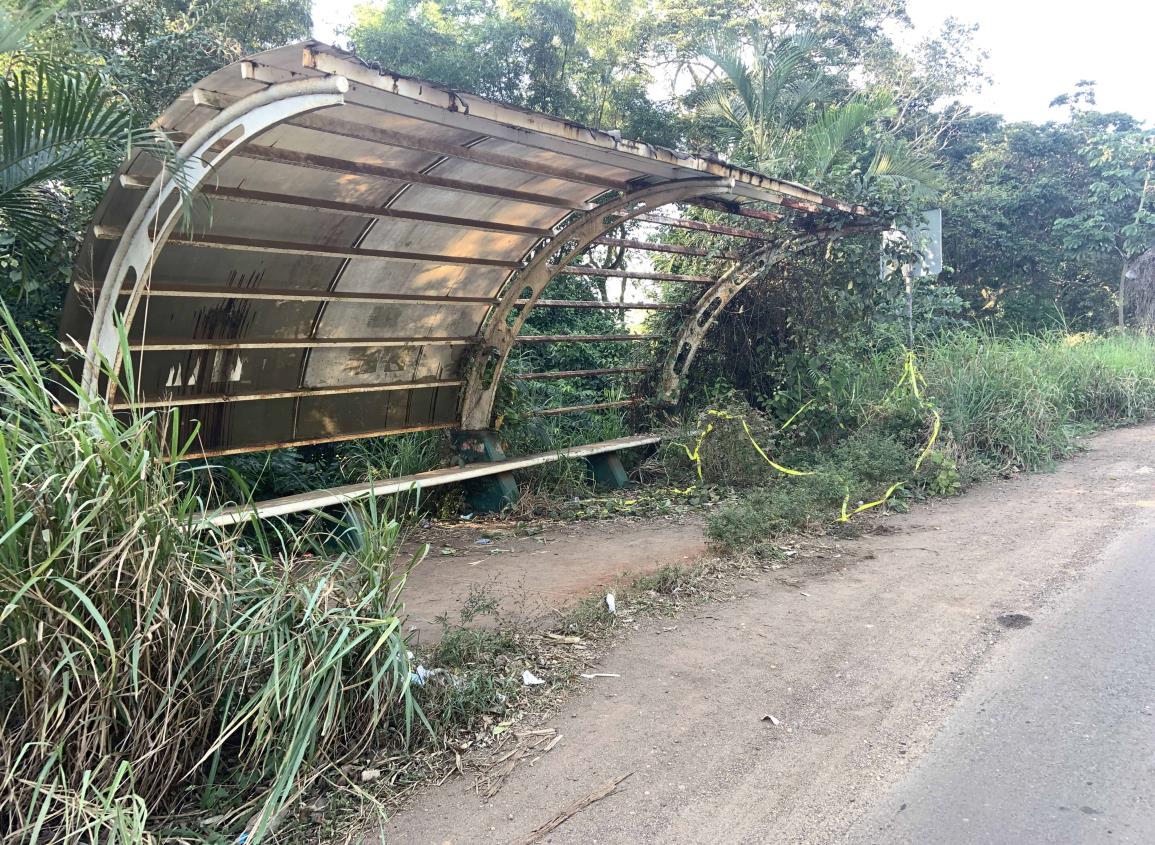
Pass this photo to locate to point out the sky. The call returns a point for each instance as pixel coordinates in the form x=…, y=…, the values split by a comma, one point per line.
x=1038, y=49
x=1041, y=48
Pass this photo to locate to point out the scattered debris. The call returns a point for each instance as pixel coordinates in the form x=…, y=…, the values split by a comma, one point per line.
x=535, y=744
x=771, y=719
x=803, y=593
x=568, y=639
x=603, y=791
x=530, y=680
x=484, y=541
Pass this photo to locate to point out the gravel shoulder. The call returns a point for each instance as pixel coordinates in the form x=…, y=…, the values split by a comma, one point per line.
x=859, y=655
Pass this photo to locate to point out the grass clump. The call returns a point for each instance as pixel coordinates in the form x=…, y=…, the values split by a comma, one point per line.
x=754, y=519
x=151, y=673
x=1019, y=402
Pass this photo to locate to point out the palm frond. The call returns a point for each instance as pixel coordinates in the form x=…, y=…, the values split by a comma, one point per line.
x=832, y=132
x=61, y=130
x=16, y=25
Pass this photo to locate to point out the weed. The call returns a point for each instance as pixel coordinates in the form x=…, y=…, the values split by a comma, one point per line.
x=757, y=517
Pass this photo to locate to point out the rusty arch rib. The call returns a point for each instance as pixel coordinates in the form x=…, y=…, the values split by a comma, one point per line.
x=373, y=235
x=552, y=260
x=736, y=278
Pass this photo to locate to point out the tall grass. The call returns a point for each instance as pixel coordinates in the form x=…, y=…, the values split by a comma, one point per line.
x=148, y=669
x=1019, y=401
x=1007, y=403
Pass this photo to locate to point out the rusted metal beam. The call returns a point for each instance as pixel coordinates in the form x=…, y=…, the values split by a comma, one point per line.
x=416, y=98
x=584, y=338
x=598, y=304
x=677, y=249
x=228, y=398
x=163, y=289
x=295, y=158
x=699, y=226
x=325, y=250
x=313, y=441
x=576, y=270
x=355, y=209
x=297, y=343
x=557, y=375
x=577, y=409
x=366, y=132
x=732, y=207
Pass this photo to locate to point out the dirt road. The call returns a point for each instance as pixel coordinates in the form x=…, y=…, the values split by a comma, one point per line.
x=860, y=656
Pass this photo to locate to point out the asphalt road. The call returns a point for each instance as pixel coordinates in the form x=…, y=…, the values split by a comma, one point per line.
x=1055, y=742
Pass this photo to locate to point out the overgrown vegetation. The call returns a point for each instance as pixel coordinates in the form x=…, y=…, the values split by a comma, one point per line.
x=1007, y=404
x=149, y=668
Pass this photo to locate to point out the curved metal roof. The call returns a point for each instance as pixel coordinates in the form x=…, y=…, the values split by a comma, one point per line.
x=369, y=250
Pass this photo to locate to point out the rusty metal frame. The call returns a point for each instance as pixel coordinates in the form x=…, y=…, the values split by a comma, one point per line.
x=313, y=161
x=176, y=400
x=599, y=305
x=585, y=338
x=699, y=226
x=564, y=206
x=158, y=212
x=558, y=375
x=269, y=198
x=551, y=260
x=401, y=140
x=614, y=273
x=579, y=409
x=676, y=249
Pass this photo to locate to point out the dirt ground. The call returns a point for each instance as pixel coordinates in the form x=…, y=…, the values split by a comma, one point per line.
x=857, y=655
x=533, y=571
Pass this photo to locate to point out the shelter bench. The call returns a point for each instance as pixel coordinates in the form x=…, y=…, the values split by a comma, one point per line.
x=607, y=472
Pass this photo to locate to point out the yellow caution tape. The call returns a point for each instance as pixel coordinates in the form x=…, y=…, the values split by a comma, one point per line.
x=910, y=376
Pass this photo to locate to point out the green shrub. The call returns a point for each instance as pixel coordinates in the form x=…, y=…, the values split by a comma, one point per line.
x=1017, y=402
x=758, y=516
x=727, y=457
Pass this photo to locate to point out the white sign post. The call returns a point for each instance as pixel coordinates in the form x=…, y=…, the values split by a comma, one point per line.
x=925, y=239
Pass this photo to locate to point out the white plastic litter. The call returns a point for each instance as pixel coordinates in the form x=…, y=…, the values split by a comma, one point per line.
x=611, y=605
x=530, y=680
x=593, y=675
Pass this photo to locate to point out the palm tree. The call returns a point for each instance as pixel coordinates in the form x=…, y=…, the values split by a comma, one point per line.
x=775, y=102
x=63, y=130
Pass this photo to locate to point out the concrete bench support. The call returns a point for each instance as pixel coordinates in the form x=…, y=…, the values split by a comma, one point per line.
x=608, y=472
x=490, y=493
